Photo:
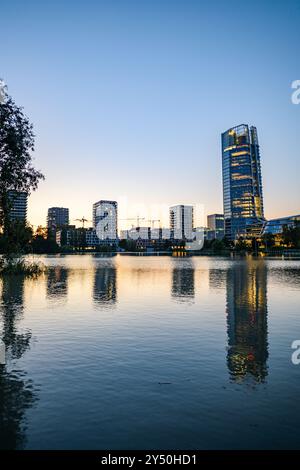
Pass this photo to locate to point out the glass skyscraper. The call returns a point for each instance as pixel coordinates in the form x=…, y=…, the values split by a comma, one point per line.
x=17, y=205
x=242, y=183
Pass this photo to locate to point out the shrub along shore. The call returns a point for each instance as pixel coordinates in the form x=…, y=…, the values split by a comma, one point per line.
x=18, y=264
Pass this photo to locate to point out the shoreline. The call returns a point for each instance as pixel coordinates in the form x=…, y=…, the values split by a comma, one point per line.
x=286, y=254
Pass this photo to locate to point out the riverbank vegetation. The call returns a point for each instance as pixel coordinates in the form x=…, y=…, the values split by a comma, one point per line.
x=20, y=238
x=17, y=175
x=20, y=265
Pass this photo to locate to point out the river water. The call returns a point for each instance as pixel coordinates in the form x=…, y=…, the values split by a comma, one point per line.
x=130, y=352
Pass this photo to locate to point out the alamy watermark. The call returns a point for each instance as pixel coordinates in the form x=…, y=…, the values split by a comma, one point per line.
x=296, y=93
x=3, y=91
x=2, y=353
x=296, y=354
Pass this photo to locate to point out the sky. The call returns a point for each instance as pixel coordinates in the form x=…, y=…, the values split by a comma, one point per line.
x=129, y=99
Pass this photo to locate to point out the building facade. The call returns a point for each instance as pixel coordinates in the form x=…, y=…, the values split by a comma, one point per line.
x=17, y=205
x=105, y=220
x=276, y=226
x=66, y=236
x=216, y=226
x=91, y=238
x=181, y=222
x=77, y=237
x=57, y=218
x=139, y=233
x=145, y=233
x=242, y=181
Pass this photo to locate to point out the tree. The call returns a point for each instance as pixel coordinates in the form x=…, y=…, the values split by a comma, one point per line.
x=268, y=240
x=17, y=172
x=241, y=244
x=218, y=245
x=16, y=237
x=41, y=244
x=41, y=232
x=291, y=236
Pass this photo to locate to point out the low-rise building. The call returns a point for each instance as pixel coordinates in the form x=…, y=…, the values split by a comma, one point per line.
x=215, y=227
x=276, y=226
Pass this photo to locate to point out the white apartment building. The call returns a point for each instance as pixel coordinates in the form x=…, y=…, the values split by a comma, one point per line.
x=181, y=222
x=105, y=219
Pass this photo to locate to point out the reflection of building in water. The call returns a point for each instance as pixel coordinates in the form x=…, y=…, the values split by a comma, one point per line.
x=57, y=283
x=217, y=278
x=247, y=320
x=183, y=279
x=105, y=285
x=16, y=391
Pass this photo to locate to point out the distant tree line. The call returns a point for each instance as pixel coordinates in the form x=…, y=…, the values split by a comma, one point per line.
x=21, y=238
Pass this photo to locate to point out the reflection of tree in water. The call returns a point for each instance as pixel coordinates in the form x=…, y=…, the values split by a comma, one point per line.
x=105, y=285
x=12, y=309
x=16, y=392
x=183, y=279
x=57, y=283
x=247, y=320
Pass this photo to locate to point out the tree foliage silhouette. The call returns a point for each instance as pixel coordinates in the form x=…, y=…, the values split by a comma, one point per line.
x=17, y=172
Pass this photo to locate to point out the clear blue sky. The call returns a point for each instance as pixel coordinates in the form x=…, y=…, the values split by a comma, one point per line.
x=129, y=98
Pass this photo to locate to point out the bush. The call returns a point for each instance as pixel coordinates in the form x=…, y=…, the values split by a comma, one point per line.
x=19, y=265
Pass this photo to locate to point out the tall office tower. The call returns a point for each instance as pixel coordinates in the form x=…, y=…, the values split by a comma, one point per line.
x=215, y=223
x=17, y=205
x=242, y=183
x=105, y=219
x=58, y=217
x=181, y=222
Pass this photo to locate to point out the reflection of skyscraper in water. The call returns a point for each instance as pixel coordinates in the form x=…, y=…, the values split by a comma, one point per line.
x=247, y=320
x=183, y=279
x=105, y=285
x=57, y=283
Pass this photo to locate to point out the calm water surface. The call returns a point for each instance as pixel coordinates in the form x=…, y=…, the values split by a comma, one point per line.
x=151, y=352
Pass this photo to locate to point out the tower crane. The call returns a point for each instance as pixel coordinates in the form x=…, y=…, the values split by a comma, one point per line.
x=82, y=220
x=137, y=219
x=152, y=221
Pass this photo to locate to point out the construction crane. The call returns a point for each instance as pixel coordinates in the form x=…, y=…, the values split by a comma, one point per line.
x=82, y=220
x=138, y=218
x=152, y=221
